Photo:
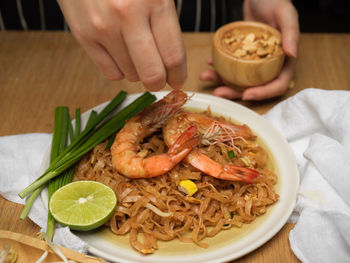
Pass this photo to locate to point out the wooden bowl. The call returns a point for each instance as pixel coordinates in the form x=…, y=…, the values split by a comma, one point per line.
x=246, y=72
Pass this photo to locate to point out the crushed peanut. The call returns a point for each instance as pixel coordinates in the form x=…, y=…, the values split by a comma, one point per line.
x=252, y=45
x=246, y=161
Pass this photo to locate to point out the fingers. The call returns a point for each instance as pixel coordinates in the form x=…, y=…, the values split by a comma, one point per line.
x=227, y=93
x=287, y=21
x=221, y=91
x=168, y=38
x=155, y=45
x=142, y=48
x=74, y=13
x=102, y=59
x=117, y=49
x=210, y=75
x=276, y=87
x=135, y=39
x=280, y=14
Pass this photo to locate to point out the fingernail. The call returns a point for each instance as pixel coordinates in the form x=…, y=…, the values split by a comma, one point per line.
x=292, y=52
x=291, y=48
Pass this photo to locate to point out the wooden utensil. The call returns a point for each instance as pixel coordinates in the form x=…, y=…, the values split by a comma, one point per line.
x=30, y=249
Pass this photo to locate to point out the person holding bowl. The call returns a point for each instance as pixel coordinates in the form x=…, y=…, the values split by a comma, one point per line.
x=140, y=40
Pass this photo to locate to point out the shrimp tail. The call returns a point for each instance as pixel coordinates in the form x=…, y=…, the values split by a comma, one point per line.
x=241, y=173
x=228, y=172
x=187, y=140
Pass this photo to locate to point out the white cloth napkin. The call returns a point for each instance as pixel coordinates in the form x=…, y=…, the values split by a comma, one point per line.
x=315, y=122
x=20, y=161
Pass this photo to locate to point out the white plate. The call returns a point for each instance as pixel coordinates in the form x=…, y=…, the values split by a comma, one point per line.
x=229, y=244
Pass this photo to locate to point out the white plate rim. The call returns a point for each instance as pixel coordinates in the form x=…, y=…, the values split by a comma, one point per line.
x=288, y=190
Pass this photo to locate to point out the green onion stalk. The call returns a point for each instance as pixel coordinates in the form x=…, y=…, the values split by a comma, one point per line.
x=60, y=137
x=58, y=143
x=97, y=130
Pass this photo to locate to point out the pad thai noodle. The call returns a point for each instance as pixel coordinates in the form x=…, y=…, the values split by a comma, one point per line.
x=227, y=181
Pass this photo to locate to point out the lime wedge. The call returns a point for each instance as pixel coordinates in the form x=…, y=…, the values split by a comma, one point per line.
x=83, y=205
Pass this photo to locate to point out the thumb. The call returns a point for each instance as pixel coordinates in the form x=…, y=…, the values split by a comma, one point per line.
x=287, y=22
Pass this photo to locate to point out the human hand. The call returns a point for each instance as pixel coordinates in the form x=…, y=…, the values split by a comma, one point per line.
x=282, y=15
x=132, y=39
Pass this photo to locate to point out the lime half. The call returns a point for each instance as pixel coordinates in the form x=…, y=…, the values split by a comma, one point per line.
x=83, y=205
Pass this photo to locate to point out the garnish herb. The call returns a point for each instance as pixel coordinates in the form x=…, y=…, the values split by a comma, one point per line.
x=62, y=126
x=110, y=141
x=60, y=136
x=231, y=154
x=58, y=143
x=77, y=124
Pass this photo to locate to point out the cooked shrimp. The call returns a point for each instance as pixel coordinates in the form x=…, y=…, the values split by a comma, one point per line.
x=124, y=151
x=211, y=131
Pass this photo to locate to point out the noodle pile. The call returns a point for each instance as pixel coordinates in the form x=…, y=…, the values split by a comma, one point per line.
x=157, y=209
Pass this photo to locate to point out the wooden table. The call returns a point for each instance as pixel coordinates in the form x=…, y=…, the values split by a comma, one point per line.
x=42, y=70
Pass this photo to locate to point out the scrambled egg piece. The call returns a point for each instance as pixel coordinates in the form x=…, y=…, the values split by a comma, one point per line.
x=188, y=187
